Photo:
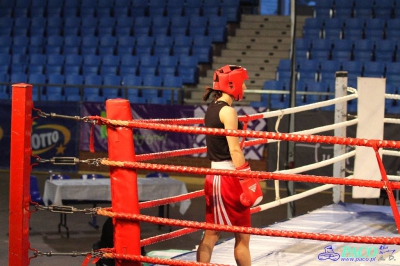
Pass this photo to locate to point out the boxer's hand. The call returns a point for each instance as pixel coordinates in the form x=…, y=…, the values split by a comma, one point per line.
x=252, y=194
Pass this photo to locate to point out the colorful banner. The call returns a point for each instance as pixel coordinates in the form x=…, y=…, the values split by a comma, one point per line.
x=151, y=141
x=50, y=137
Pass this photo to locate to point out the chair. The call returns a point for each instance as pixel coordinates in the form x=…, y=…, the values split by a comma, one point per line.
x=393, y=68
x=364, y=45
x=342, y=45
x=374, y=69
x=341, y=55
x=309, y=65
x=354, y=23
x=168, y=60
x=128, y=70
x=145, y=41
x=174, y=11
x=149, y=60
x=73, y=79
x=321, y=44
x=35, y=190
x=273, y=85
x=385, y=45
x=303, y=44
x=172, y=81
x=320, y=55
x=188, y=69
x=167, y=71
x=330, y=66
x=323, y=6
x=162, y=50
x=179, y=30
x=164, y=40
x=92, y=60
x=363, y=55
x=355, y=67
x=232, y=13
x=318, y=86
x=132, y=81
x=147, y=70
x=203, y=54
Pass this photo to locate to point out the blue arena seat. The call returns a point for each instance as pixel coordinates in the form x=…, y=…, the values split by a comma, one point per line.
x=342, y=45
x=374, y=69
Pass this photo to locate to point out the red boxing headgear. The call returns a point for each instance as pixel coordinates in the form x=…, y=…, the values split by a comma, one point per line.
x=229, y=79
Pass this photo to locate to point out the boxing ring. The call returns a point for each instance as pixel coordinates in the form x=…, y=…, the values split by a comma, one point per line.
x=356, y=233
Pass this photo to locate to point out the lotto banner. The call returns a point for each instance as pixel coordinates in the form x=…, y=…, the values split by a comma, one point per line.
x=150, y=141
x=51, y=137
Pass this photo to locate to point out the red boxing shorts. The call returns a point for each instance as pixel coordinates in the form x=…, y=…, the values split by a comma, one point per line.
x=222, y=194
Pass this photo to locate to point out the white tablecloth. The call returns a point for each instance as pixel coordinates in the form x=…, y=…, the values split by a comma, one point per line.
x=99, y=190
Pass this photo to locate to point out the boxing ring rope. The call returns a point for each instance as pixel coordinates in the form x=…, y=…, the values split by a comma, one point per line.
x=260, y=137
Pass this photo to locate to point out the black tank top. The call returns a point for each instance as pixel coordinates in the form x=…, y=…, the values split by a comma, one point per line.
x=217, y=146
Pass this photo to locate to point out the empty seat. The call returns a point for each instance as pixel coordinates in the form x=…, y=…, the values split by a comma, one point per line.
x=172, y=81
x=164, y=40
x=321, y=44
x=92, y=60
x=374, y=69
x=342, y=45
x=331, y=66
x=149, y=60
x=363, y=55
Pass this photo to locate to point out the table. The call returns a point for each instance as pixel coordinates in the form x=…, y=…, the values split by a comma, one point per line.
x=98, y=190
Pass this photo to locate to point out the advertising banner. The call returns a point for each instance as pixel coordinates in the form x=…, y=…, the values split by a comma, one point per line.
x=150, y=141
x=51, y=137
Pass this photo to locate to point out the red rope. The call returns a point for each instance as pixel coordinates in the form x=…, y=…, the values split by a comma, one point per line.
x=158, y=202
x=251, y=134
x=250, y=230
x=253, y=174
x=190, y=121
x=182, y=152
x=167, y=236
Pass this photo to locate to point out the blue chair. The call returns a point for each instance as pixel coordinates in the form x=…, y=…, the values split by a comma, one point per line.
x=18, y=78
x=330, y=66
x=374, y=69
x=364, y=45
x=319, y=55
x=386, y=45
x=284, y=65
x=167, y=71
x=273, y=85
x=342, y=45
x=132, y=81
x=393, y=68
x=218, y=34
x=232, y=13
x=35, y=190
x=321, y=44
x=172, y=81
x=310, y=65
x=168, y=60
x=149, y=60
x=157, y=175
x=152, y=81
x=145, y=41
x=318, y=86
x=164, y=40
x=355, y=67
x=162, y=50
x=363, y=55
x=203, y=54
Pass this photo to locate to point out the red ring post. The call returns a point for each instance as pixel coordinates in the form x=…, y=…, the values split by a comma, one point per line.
x=19, y=214
x=124, y=193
